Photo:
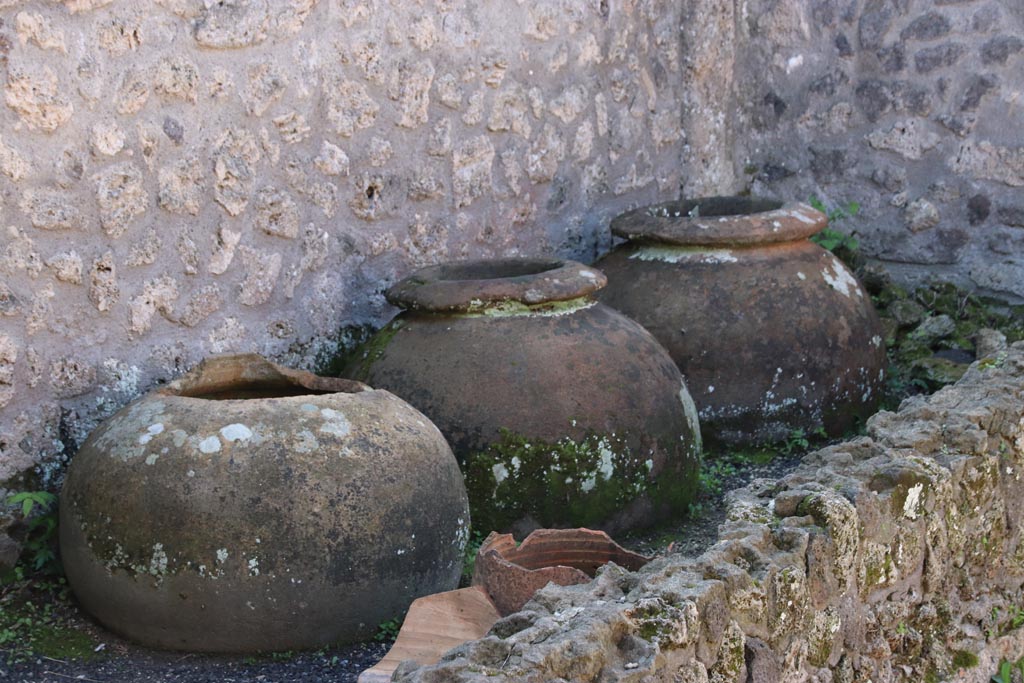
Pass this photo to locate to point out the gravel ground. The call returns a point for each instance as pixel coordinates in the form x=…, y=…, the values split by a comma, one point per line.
x=120, y=661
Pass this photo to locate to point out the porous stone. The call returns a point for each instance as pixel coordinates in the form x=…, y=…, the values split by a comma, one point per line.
x=66, y=267
x=471, y=170
x=223, y=249
x=121, y=197
x=71, y=377
x=177, y=78
x=332, y=160
x=181, y=186
x=349, y=107
x=158, y=296
x=8, y=358
x=234, y=24
x=908, y=138
x=235, y=156
x=920, y=215
x=276, y=213
x=38, y=98
x=261, y=272
x=266, y=85
x=50, y=210
x=103, y=288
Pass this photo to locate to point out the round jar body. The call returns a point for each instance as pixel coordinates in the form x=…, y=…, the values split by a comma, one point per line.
x=561, y=413
x=235, y=512
x=771, y=337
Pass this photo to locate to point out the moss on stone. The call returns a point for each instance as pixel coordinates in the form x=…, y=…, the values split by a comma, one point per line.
x=567, y=482
x=358, y=364
x=962, y=659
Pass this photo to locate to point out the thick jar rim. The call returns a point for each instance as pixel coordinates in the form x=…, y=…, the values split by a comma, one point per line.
x=249, y=377
x=720, y=221
x=475, y=286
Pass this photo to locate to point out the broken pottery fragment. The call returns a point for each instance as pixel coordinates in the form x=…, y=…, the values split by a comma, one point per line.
x=561, y=411
x=772, y=332
x=505, y=578
x=247, y=507
x=511, y=574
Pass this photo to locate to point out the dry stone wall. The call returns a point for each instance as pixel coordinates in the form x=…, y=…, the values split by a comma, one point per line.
x=185, y=177
x=912, y=108
x=897, y=556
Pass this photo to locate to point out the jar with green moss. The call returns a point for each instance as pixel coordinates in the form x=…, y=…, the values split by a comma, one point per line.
x=560, y=410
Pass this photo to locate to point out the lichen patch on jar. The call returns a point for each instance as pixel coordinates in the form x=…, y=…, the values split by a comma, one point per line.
x=680, y=254
x=210, y=444
x=841, y=281
x=151, y=431
x=236, y=432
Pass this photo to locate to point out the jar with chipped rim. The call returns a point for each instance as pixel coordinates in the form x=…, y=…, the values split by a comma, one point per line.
x=561, y=411
x=772, y=332
x=247, y=507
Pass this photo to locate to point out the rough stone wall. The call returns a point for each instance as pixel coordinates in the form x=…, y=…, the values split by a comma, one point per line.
x=886, y=558
x=910, y=107
x=187, y=177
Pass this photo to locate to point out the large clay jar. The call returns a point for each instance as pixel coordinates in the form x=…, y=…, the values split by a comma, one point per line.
x=247, y=507
x=772, y=332
x=562, y=412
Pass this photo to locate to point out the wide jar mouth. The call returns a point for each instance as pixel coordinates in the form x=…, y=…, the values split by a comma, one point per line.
x=249, y=376
x=476, y=286
x=720, y=221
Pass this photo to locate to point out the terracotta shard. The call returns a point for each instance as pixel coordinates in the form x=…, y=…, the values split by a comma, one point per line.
x=511, y=575
x=435, y=624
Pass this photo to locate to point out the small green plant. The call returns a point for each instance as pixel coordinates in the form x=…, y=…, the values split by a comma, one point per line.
x=476, y=539
x=902, y=629
x=843, y=245
x=388, y=630
x=1005, y=673
x=39, y=510
x=797, y=440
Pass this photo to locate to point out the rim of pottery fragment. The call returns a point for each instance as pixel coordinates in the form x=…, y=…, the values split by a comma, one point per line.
x=720, y=221
x=249, y=376
x=478, y=285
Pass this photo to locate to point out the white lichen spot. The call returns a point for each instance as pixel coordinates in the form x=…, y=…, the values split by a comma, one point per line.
x=711, y=388
x=222, y=555
x=309, y=408
x=589, y=274
x=516, y=463
x=800, y=275
x=913, y=500
x=152, y=458
x=191, y=473
x=335, y=423
x=500, y=473
x=650, y=464
x=236, y=432
x=151, y=431
x=876, y=341
x=842, y=281
x=254, y=567
x=210, y=444
x=606, y=467
x=677, y=254
x=400, y=551
x=794, y=63
x=589, y=483
x=158, y=562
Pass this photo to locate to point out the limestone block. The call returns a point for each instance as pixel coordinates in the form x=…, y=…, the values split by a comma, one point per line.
x=8, y=357
x=266, y=84
x=39, y=29
x=412, y=92
x=292, y=127
x=233, y=24
x=908, y=138
x=145, y=251
x=70, y=376
x=223, y=249
x=66, y=267
x=178, y=78
x=106, y=138
x=50, y=209
x=471, y=170
x=181, y=186
x=332, y=160
x=987, y=161
x=12, y=163
x=261, y=273
x=121, y=197
x=103, y=288
x=276, y=213
x=921, y=215
x=203, y=303
x=36, y=95
x=158, y=295
x=349, y=107
x=235, y=156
